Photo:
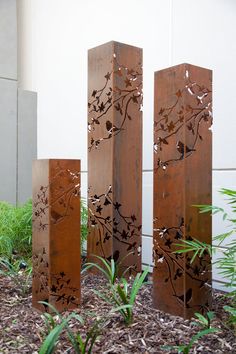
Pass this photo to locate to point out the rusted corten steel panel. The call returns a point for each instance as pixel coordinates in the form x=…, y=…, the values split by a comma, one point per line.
x=182, y=178
x=115, y=152
x=56, y=233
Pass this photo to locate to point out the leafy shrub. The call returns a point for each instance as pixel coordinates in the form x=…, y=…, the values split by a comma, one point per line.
x=15, y=229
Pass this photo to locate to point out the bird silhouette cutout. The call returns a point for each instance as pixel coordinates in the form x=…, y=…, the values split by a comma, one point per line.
x=183, y=149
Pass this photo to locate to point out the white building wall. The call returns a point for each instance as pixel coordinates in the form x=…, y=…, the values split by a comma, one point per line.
x=18, y=119
x=54, y=36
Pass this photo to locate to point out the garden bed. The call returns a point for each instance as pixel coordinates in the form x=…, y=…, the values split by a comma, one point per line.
x=22, y=329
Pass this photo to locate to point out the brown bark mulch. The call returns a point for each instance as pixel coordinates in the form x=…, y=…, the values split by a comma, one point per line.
x=22, y=329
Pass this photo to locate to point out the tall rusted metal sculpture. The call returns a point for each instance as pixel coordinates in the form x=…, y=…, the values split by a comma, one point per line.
x=56, y=233
x=182, y=178
x=115, y=152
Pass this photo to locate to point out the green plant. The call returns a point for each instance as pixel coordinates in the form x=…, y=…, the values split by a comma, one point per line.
x=107, y=268
x=15, y=229
x=84, y=223
x=51, y=341
x=196, y=246
x=204, y=321
x=80, y=345
x=49, y=321
x=122, y=295
x=86, y=345
x=19, y=272
x=110, y=269
x=205, y=324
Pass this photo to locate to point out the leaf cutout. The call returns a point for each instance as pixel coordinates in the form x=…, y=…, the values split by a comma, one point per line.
x=178, y=93
x=108, y=76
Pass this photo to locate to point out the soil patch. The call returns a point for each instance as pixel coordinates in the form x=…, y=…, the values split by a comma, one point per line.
x=22, y=329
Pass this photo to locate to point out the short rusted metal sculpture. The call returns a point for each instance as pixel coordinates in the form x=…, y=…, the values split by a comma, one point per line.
x=182, y=178
x=56, y=233
x=115, y=153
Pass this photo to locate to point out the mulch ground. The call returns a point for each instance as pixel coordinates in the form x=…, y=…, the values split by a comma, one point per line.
x=22, y=329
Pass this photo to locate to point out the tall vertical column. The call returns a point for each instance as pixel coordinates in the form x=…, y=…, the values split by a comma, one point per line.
x=56, y=233
x=182, y=178
x=115, y=153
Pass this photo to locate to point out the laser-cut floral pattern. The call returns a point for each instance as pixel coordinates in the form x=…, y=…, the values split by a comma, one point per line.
x=57, y=286
x=180, y=116
x=114, y=142
x=63, y=186
x=179, y=265
x=128, y=92
x=56, y=233
x=121, y=228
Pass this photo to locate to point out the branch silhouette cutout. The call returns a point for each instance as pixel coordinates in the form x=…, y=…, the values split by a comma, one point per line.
x=192, y=107
x=120, y=98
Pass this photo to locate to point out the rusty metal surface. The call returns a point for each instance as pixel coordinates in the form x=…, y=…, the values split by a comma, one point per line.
x=56, y=233
x=115, y=152
x=182, y=178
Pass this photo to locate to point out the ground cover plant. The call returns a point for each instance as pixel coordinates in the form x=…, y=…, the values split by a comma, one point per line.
x=15, y=230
